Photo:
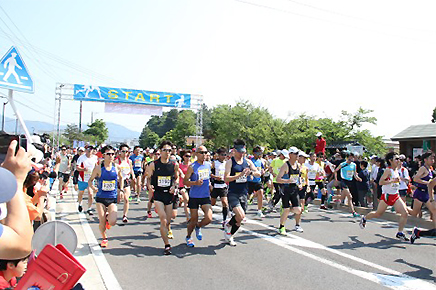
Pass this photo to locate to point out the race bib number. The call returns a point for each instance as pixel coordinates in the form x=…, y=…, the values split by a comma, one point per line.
x=164, y=181
x=311, y=174
x=350, y=174
x=293, y=178
x=395, y=185
x=221, y=173
x=241, y=179
x=108, y=185
x=138, y=163
x=203, y=174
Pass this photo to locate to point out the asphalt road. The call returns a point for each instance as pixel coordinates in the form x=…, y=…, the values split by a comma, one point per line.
x=332, y=253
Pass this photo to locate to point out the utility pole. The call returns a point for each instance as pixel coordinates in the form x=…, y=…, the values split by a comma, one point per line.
x=3, y=116
x=80, y=118
x=59, y=114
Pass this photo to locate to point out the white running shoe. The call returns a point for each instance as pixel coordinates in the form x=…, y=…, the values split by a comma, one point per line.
x=227, y=234
x=298, y=229
x=232, y=242
x=260, y=214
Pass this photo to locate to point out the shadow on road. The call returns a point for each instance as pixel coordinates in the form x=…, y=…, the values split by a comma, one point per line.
x=385, y=243
x=421, y=272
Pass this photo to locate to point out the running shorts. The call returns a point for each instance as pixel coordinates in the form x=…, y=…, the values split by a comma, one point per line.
x=421, y=194
x=346, y=184
x=390, y=199
x=320, y=184
x=106, y=201
x=236, y=200
x=65, y=176
x=195, y=203
x=302, y=192
x=137, y=173
x=218, y=192
x=165, y=198
x=254, y=186
x=82, y=185
x=290, y=196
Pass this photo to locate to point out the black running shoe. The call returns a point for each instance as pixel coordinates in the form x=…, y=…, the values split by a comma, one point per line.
x=415, y=235
x=402, y=236
x=167, y=251
x=80, y=208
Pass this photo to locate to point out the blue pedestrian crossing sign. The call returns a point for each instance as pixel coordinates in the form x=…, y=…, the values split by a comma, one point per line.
x=13, y=72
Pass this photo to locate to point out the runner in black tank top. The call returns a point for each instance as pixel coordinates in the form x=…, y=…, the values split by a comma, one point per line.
x=290, y=176
x=163, y=181
x=236, y=172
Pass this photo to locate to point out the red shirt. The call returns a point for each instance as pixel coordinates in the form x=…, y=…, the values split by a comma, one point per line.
x=320, y=145
x=5, y=284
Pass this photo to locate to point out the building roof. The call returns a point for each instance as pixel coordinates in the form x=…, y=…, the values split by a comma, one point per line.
x=417, y=132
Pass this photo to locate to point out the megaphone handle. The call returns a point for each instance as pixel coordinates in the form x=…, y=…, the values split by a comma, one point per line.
x=17, y=114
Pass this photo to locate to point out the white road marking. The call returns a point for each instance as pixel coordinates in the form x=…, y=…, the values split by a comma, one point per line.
x=395, y=280
x=104, y=268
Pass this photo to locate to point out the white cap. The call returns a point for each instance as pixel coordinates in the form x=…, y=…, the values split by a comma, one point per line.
x=285, y=153
x=293, y=149
x=374, y=157
x=318, y=134
x=402, y=156
x=81, y=149
x=302, y=153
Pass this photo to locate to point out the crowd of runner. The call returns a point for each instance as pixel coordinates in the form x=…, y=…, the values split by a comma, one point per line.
x=287, y=180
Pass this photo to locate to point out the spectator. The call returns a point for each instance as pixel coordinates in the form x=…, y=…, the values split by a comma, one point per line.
x=16, y=232
x=320, y=144
x=363, y=185
x=10, y=270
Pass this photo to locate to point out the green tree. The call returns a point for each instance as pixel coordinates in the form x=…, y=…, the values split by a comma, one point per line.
x=72, y=133
x=98, y=131
x=148, y=138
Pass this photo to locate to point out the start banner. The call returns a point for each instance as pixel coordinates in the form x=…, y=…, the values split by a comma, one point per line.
x=139, y=97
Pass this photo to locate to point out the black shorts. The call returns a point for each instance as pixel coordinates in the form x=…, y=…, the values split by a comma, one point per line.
x=137, y=174
x=254, y=186
x=165, y=198
x=195, y=203
x=290, y=194
x=106, y=201
x=218, y=192
x=76, y=177
x=320, y=184
x=237, y=200
x=302, y=192
x=403, y=192
x=346, y=184
x=266, y=179
x=175, y=201
x=65, y=176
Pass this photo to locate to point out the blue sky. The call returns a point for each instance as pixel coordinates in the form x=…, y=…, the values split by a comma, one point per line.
x=290, y=56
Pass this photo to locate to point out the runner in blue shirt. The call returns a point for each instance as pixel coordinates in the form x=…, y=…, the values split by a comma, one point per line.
x=255, y=185
x=137, y=161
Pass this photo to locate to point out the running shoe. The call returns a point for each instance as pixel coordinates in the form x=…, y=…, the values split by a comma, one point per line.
x=223, y=224
x=170, y=234
x=362, y=223
x=402, y=236
x=125, y=220
x=282, y=231
x=250, y=201
x=104, y=243
x=298, y=229
x=323, y=207
x=232, y=242
x=61, y=196
x=138, y=200
x=167, y=250
x=130, y=198
x=415, y=235
x=149, y=215
x=198, y=233
x=355, y=214
x=392, y=209
x=306, y=208
x=227, y=232
x=190, y=242
x=108, y=226
x=260, y=214
x=89, y=211
x=80, y=208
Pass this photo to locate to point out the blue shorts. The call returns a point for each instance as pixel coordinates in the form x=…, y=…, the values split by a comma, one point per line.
x=82, y=185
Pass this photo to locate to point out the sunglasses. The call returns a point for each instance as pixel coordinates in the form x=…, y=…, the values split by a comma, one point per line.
x=166, y=150
x=124, y=151
x=110, y=154
x=397, y=158
x=223, y=155
x=188, y=156
x=202, y=152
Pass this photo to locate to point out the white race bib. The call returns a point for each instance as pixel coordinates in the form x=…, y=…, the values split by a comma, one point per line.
x=395, y=185
x=108, y=185
x=350, y=174
x=221, y=173
x=138, y=163
x=241, y=179
x=203, y=174
x=86, y=176
x=293, y=178
x=311, y=174
x=164, y=181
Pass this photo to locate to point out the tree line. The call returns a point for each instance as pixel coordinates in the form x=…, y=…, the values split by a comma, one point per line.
x=257, y=126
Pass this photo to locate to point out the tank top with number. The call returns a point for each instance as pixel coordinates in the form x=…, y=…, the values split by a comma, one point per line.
x=163, y=176
x=220, y=168
x=240, y=185
x=293, y=175
x=391, y=188
x=107, y=183
x=428, y=177
x=347, y=170
x=200, y=172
